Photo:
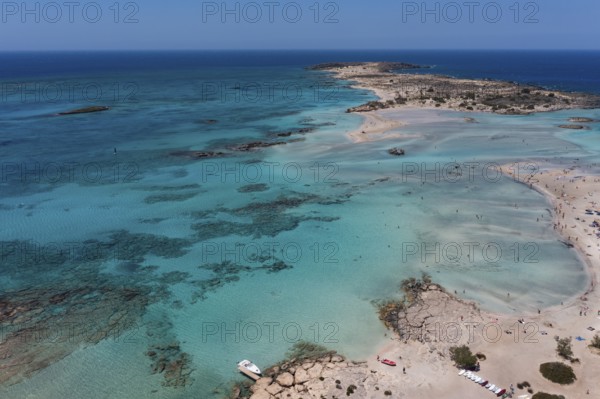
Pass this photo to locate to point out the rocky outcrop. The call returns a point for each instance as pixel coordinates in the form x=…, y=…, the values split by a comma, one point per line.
x=256, y=145
x=582, y=120
x=86, y=110
x=328, y=375
x=425, y=307
x=396, y=151
x=172, y=363
x=573, y=127
x=198, y=154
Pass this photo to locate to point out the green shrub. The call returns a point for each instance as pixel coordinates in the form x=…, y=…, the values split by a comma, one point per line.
x=595, y=342
x=350, y=390
x=462, y=356
x=544, y=395
x=523, y=385
x=400, y=100
x=563, y=348
x=557, y=372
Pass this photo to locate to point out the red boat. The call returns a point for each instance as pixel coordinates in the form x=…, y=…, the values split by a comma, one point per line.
x=388, y=362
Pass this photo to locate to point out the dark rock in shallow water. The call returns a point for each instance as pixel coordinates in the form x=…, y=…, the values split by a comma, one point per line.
x=253, y=188
x=170, y=361
x=198, y=154
x=173, y=197
x=573, y=127
x=86, y=110
x=257, y=144
x=582, y=120
x=128, y=267
x=397, y=151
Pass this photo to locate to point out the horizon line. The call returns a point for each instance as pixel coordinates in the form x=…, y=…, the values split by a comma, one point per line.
x=286, y=50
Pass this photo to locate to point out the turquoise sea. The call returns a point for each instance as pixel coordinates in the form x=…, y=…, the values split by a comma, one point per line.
x=151, y=238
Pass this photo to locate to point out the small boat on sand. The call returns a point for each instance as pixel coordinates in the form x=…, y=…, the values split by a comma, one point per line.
x=248, y=365
x=388, y=362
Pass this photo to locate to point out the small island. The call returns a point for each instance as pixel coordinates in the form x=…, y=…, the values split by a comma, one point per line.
x=396, y=90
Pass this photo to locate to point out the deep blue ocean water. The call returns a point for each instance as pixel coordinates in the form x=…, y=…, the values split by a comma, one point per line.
x=567, y=70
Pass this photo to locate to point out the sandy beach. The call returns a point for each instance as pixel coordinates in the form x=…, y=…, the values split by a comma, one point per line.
x=376, y=127
x=513, y=350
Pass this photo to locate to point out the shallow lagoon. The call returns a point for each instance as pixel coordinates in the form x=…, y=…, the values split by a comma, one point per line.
x=303, y=249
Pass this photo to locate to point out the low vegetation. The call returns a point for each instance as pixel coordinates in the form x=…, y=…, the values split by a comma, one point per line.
x=544, y=395
x=412, y=287
x=595, y=342
x=558, y=372
x=462, y=357
x=564, y=349
x=350, y=390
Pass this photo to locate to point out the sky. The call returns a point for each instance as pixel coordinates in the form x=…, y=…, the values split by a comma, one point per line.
x=301, y=24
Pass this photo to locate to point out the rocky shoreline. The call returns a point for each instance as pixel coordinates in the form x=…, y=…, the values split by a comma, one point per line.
x=326, y=374
x=397, y=90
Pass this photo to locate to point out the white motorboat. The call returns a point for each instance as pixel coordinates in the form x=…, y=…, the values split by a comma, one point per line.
x=248, y=365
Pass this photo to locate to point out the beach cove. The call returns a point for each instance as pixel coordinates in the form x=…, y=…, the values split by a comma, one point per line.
x=421, y=339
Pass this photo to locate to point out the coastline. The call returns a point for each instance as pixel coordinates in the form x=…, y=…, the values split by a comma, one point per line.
x=405, y=91
x=425, y=368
